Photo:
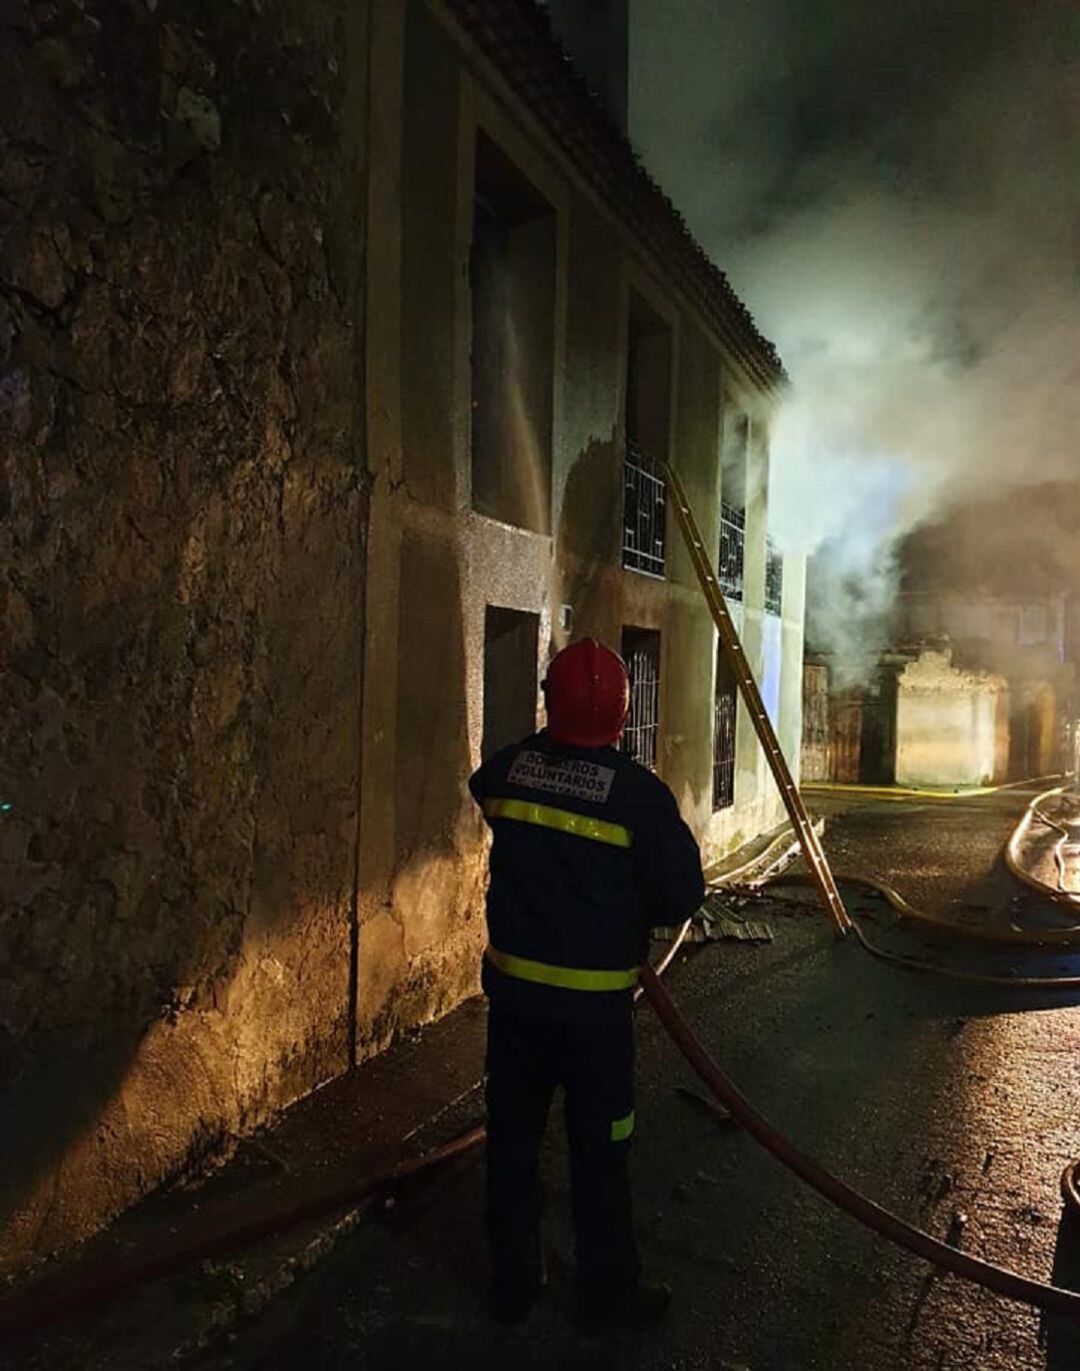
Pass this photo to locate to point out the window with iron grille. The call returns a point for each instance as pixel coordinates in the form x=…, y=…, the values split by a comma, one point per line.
x=732, y=548
x=774, y=578
x=641, y=652
x=648, y=417
x=725, y=711
x=644, y=513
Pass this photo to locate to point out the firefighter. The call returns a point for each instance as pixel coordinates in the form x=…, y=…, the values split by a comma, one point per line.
x=588, y=852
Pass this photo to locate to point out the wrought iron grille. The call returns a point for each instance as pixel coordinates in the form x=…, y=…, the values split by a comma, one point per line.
x=774, y=578
x=732, y=547
x=725, y=706
x=644, y=513
x=641, y=652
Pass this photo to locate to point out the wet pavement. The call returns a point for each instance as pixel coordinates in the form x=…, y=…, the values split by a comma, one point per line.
x=955, y=1105
x=942, y=854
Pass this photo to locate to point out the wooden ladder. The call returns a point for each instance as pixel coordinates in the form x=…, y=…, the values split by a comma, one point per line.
x=744, y=677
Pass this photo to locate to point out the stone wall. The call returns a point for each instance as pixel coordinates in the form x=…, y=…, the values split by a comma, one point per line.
x=182, y=514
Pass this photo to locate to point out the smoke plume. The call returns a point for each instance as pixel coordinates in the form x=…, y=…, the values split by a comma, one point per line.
x=895, y=192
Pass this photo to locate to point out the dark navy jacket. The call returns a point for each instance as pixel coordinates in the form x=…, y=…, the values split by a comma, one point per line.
x=573, y=901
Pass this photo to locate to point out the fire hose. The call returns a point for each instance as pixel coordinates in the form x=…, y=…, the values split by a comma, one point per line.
x=767, y=872
x=1051, y=1298
x=44, y=1308
x=41, y=1306
x=1017, y=938
x=45, y=1303
x=1059, y=895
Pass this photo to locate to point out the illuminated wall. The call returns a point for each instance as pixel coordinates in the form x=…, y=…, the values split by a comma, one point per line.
x=951, y=725
x=182, y=510
x=246, y=583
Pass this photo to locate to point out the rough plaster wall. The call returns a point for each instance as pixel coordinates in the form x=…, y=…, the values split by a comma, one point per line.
x=429, y=281
x=422, y=897
x=420, y=951
x=181, y=530
x=588, y=468
x=687, y=682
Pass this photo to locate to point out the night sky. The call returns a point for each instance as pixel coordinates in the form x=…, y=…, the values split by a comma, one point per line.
x=895, y=191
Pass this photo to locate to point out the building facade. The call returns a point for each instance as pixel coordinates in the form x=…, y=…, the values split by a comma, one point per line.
x=331, y=416
x=542, y=336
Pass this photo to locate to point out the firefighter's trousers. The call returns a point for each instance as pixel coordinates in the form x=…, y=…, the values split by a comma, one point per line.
x=528, y=1057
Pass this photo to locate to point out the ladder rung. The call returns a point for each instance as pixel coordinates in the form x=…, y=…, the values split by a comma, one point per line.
x=729, y=639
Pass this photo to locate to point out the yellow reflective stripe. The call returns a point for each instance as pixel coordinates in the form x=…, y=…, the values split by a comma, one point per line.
x=545, y=816
x=564, y=977
x=622, y=1128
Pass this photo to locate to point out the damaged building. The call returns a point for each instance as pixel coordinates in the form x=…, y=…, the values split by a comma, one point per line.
x=341, y=350
x=979, y=684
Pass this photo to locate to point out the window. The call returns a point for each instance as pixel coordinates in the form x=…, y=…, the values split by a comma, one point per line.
x=510, y=648
x=641, y=652
x=725, y=712
x=733, y=458
x=774, y=578
x=648, y=412
x=512, y=283
x=732, y=550
x=644, y=513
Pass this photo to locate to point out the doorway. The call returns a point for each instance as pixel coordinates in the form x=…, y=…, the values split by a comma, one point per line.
x=511, y=639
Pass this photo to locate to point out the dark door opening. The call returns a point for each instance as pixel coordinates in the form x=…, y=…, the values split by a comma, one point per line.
x=877, y=748
x=510, y=646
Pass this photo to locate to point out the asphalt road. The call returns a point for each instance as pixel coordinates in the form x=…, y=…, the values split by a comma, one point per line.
x=956, y=1106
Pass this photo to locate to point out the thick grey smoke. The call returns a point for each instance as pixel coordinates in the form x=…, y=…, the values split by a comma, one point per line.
x=895, y=191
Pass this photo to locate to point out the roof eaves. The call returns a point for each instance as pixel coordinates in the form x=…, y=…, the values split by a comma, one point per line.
x=517, y=37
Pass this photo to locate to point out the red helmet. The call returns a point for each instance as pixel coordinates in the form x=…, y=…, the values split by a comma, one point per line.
x=588, y=695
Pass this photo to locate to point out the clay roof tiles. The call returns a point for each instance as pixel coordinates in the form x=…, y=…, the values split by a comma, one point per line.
x=517, y=37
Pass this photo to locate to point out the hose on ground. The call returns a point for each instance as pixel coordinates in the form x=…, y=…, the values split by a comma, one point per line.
x=44, y=1304
x=908, y=913
x=1044, y=939
x=1059, y=853
x=1011, y=1284
x=1017, y=868
x=955, y=931
x=926, y=968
